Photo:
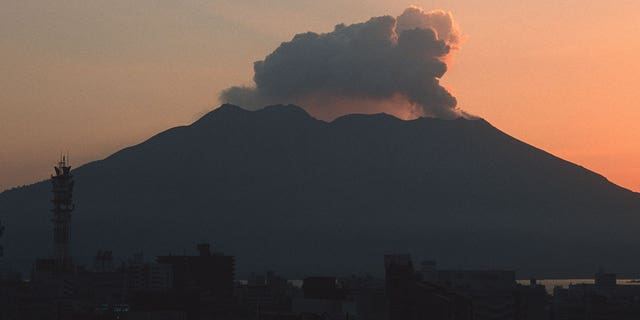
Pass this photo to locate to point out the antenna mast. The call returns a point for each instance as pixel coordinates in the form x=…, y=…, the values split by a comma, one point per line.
x=62, y=189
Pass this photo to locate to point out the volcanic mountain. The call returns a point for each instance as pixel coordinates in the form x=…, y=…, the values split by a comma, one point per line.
x=281, y=190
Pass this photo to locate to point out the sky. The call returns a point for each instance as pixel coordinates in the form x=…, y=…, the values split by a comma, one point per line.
x=91, y=77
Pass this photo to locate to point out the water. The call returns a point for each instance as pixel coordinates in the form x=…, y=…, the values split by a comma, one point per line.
x=564, y=283
x=548, y=283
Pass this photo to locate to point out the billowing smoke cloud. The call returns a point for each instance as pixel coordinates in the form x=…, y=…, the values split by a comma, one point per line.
x=383, y=63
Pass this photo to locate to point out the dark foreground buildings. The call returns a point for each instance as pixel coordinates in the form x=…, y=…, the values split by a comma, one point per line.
x=605, y=299
x=199, y=286
x=459, y=294
x=203, y=286
x=172, y=287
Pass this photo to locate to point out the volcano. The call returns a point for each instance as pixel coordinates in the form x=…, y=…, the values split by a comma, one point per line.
x=281, y=190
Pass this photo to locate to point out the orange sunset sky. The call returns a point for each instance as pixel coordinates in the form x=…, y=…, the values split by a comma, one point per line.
x=92, y=77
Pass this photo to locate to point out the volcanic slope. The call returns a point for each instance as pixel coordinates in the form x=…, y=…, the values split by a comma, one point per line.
x=282, y=190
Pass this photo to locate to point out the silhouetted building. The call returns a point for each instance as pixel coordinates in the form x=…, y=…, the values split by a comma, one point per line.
x=322, y=288
x=6, y=271
x=599, y=301
x=1, y=233
x=400, y=286
x=143, y=275
x=202, y=286
x=533, y=302
x=459, y=294
x=211, y=272
x=324, y=298
x=410, y=298
x=266, y=294
x=368, y=293
x=12, y=291
x=605, y=280
x=493, y=292
x=428, y=271
x=103, y=261
x=106, y=283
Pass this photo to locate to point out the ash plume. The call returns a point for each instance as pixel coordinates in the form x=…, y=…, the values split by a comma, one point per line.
x=385, y=64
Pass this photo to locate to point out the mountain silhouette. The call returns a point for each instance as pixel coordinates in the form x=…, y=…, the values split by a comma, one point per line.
x=282, y=190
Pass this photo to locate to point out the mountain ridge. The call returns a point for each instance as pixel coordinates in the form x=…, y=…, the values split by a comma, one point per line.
x=268, y=185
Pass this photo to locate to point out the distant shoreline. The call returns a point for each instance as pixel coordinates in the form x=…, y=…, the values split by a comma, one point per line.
x=564, y=283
